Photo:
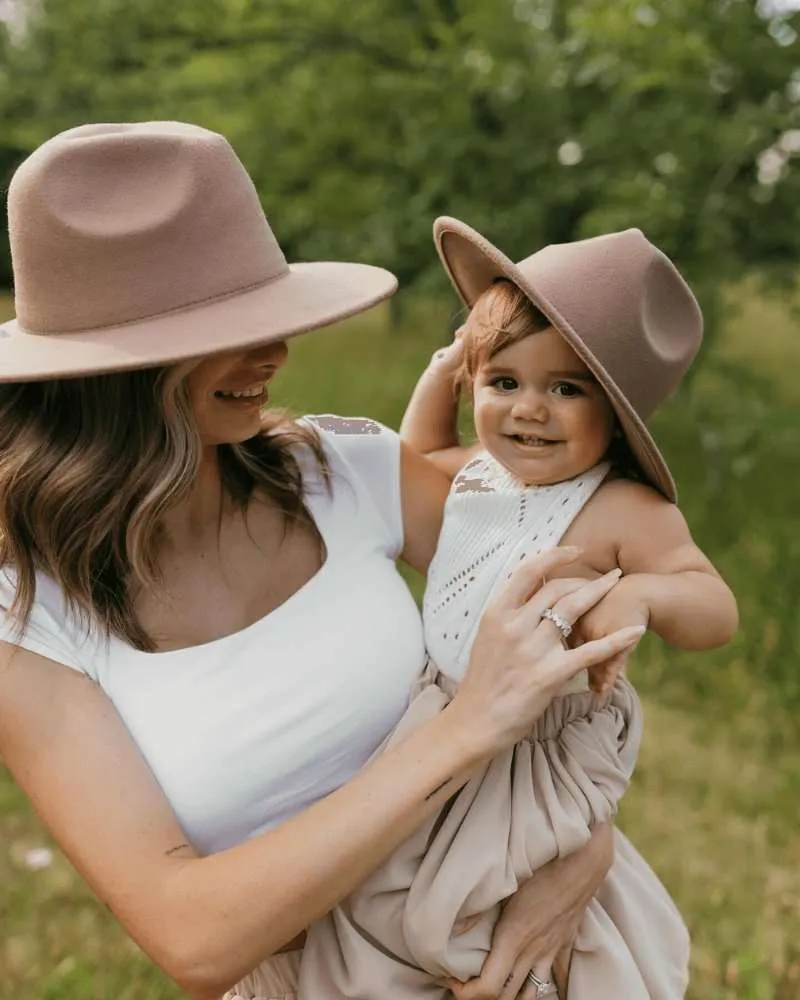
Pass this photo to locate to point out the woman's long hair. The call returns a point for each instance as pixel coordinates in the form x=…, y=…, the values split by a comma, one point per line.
x=88, y=468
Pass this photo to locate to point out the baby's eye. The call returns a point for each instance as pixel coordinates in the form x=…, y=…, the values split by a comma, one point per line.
x=567, y=389
x=504, y=383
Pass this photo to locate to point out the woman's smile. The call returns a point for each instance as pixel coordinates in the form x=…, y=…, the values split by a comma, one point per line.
x=256, y=395
x=229, y=391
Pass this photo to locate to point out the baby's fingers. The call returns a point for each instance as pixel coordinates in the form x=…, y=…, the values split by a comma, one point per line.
x=609, y=646
x=603, y=675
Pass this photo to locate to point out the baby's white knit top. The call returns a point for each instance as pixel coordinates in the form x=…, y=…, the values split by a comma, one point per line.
x=491, y=522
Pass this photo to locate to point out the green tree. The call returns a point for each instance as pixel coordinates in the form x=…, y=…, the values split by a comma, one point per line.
x=534, y=120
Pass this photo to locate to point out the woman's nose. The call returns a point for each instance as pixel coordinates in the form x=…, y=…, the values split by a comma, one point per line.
x=269, y=355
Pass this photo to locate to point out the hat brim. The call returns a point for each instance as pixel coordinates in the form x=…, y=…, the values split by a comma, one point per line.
x=473, y=264
x=307, y=297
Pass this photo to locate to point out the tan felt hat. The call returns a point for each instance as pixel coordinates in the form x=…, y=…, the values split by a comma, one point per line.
x=138, y=245
x=618, y=301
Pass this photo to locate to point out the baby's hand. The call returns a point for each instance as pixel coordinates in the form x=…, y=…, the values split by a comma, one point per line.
x=620, y=607
x=447, y=360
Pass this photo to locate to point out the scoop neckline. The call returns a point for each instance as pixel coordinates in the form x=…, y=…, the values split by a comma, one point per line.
x=312, y=581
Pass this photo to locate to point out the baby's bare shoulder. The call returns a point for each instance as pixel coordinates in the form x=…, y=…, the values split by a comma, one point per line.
x=627, y=494
x=625, y=508
x=619, y=512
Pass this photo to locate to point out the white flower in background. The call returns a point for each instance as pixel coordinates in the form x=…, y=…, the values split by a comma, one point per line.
x=789, y=142
x=770, y=165
x=646, y=16
x=783, y=33
x=666, y=163
x=774, y=8
x=793, y=87
x=479, y=60
x=570, y=153
x=38, y=858
x=533, y=12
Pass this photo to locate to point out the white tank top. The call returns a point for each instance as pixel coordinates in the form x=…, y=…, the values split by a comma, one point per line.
x=245, y=731
x=491, y=522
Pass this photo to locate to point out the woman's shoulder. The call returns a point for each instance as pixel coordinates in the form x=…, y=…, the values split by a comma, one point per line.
x=366, y=454
x=333, y=423
x=364, y=443
x=338, y=427
x=52, y=628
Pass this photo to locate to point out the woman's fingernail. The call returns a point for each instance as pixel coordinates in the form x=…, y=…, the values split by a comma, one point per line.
x=614, y=574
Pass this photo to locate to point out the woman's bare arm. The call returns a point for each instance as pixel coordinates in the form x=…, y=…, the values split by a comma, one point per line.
x=206, y=921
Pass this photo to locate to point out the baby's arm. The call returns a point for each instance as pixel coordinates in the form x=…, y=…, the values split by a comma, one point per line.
x=430, y=423
x=665, y=574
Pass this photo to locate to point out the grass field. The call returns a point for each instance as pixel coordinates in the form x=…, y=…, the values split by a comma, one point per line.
x=714, y=805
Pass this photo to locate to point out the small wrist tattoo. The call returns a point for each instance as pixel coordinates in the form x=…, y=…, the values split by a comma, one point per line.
x=174, y=850
x=438, y=788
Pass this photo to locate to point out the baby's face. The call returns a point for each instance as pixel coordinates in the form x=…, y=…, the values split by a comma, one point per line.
x=540, y=412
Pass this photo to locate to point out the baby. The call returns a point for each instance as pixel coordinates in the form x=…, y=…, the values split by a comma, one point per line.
x=565, y=356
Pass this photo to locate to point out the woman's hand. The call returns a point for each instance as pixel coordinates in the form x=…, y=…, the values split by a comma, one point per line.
x=519, y=660
x=624, y=605
x=538, y=922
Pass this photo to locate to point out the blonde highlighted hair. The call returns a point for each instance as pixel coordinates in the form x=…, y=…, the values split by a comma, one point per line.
x=88, y=468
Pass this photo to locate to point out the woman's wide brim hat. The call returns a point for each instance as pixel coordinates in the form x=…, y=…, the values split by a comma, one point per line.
x=618, y=301
x=141, y=245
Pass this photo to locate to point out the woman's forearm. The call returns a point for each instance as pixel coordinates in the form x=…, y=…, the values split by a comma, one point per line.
x=576, y=878
x=593, y=861
x=307, y=865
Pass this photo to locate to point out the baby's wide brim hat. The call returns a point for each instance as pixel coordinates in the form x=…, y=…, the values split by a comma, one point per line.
x=618, y=301
x=139, y=245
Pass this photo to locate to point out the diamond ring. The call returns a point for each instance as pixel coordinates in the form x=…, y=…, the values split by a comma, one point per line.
x=544, y=987
x=560, y=623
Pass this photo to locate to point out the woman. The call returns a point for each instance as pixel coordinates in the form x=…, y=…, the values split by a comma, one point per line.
x=205, y=637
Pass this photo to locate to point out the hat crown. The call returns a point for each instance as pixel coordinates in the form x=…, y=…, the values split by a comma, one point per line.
x=628, y=305
x=110, y=224
x=617, y=300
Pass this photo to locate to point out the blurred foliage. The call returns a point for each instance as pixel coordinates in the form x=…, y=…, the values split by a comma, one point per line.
x=534, y=120
x=713, y=806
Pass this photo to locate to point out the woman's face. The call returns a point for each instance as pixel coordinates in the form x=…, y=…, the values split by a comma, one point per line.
x=228, y=392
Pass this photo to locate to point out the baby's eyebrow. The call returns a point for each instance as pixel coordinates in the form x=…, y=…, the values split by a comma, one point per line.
x=579, y=376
